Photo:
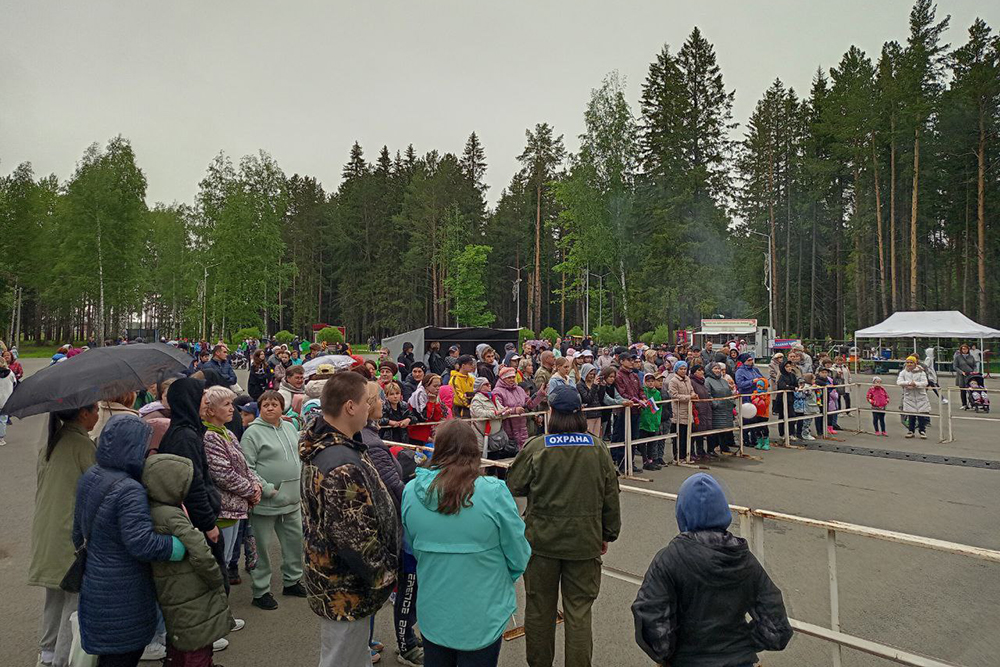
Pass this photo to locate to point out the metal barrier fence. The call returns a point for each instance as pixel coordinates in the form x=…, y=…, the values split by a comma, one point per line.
x=751, y=522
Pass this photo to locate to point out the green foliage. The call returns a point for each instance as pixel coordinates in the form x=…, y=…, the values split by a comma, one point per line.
x=621, y=336
x=329, y=335
x=604, y=334
x=523, y=335
x=465, y=282
x=549, y=334
x=661, y=335
x=646, y=338
x=575, y=331
x=284, y=337
x=247, y=332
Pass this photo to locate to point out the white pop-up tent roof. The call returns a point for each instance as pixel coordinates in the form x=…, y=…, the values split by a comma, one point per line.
x=928, y=324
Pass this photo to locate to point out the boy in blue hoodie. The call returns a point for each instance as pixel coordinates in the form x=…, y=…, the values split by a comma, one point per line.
x=692, y=606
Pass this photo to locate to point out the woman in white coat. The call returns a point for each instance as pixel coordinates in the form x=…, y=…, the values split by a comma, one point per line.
x=913, y=381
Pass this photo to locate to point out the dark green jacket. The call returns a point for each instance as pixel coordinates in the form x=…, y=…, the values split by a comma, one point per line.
x=572, y=490
x=190, y=592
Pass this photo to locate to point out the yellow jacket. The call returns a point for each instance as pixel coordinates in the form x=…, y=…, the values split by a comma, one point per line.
x=462, y=385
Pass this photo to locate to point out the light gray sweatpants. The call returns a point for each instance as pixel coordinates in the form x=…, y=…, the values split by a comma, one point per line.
x=55, y=635
x=344, y=643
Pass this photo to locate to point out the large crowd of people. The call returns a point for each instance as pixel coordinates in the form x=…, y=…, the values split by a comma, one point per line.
x=166, y=491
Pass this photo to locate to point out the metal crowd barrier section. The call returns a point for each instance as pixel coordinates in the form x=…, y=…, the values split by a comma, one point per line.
x=752, y=529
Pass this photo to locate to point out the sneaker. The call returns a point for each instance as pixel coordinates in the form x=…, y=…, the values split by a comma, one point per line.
x=296, y=590
x=220, y=644
x=154, y=651
x=3, y=442
x=414, y=657
x=944, y=400
x=265, y=602
x=660, y=461
x=649, y=465
x=808, y=437
x=376, y=656
x=831, y=431
x=238, y=624
x=909, y=434
x=376, y=646
x=923, y=436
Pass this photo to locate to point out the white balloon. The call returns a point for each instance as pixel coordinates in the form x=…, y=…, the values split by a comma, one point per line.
x=748, y=410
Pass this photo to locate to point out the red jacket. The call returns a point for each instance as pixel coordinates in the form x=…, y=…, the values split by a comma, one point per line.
x=627, y=384
x=434, y=412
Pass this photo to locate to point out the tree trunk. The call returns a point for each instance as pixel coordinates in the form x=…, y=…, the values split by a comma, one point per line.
x=881, y=237
x=100, y=280
x=913, y=219
x=538, y=256
x=858, y=265
x=812, y=280
x=628, y=316
x=772, y=245
x=981, y=215
x=892, y=215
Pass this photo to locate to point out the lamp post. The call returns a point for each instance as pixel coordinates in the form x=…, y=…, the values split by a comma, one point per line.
x=767, y=279
x=517, y=295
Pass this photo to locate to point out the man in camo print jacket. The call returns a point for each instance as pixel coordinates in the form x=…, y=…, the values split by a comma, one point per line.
x=349, y=525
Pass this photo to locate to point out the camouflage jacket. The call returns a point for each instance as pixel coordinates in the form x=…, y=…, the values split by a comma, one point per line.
x=349, y=526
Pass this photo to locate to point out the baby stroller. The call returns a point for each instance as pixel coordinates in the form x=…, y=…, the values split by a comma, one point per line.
x=979, y=398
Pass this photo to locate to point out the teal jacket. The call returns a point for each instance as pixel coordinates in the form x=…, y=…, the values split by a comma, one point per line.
x=272, y=453
x=467, y=563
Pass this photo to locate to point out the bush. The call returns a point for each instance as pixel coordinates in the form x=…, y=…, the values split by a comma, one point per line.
x=647, y=338
x=621, y=336
x=329, y=335
x=662, y=335
x=246, y=332
x=575, y=331
x=523, y=335
x=549, y=334
x=604, y=334
x=284, y=337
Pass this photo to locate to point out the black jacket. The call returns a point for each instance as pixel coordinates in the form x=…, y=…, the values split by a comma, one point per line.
x=385, y=463
x=485, y=370
x=408, y=386
x=260, y=380
x=435, y=362
x=692, y=604
x=185, y=437
x=405, y=361
x=590, y=397
x=399, y=413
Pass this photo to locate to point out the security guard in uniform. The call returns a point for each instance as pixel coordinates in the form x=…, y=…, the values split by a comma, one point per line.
x=572, y=514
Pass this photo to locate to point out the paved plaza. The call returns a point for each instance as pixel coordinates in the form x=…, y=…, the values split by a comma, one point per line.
x=939, y=604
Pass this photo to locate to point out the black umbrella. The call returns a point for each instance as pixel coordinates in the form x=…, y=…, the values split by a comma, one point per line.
x=97, y=374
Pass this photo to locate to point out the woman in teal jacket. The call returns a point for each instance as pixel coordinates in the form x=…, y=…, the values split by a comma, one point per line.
x=468, y=538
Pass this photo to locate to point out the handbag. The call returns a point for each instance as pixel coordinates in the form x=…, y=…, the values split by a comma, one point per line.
x=72, y=581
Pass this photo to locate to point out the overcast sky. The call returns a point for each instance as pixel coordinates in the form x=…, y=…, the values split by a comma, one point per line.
x=304, y=79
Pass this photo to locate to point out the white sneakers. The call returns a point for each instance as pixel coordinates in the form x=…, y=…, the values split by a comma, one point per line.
x=2, y=442
x=220, y=645
x=154, y=651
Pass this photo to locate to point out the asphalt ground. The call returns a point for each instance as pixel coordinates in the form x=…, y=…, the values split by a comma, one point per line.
x=935, y=603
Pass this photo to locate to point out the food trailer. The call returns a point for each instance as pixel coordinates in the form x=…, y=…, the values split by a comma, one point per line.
x=752, y=338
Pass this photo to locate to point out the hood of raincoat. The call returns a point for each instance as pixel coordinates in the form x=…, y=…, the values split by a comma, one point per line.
x=184, y=397
x=422, y=487
x=586, y=369
x=123, y=444
x=167, y=478
x=701, y=505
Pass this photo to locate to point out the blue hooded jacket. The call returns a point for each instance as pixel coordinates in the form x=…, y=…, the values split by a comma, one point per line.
x=745, y=376
x=118, y=601
x=701, y=505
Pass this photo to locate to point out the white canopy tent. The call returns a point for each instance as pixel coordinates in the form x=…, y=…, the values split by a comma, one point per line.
x=927, y=324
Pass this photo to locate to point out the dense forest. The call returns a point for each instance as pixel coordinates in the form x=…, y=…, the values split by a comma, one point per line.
x=876, y=190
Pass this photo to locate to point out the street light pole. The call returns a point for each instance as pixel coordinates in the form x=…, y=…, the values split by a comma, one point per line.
x=517, y=296
x=767, y=280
